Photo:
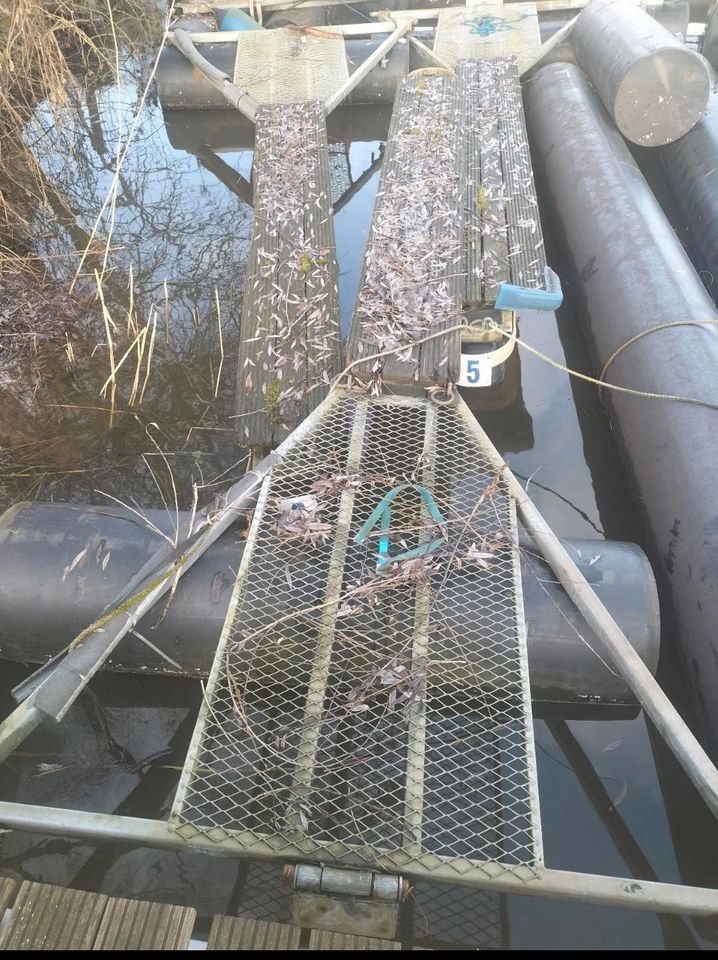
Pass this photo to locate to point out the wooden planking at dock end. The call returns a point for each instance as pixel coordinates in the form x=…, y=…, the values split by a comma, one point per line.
x=290, y=346
x=411, y=280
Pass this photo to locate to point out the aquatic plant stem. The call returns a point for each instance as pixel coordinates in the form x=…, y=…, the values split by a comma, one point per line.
x=130, y=137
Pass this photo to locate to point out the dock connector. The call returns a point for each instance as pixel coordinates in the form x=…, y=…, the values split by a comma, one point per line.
x=512, y=297
x=359, y=902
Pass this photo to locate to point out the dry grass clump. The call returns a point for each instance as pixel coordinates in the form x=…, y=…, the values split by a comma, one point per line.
x=38, y=321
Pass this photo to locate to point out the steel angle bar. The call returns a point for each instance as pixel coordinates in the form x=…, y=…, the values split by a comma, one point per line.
x=416, y=719
x=551, y=884
x=319, y=678
x=672, y=727
x=371, y=61
x=534, y=804
x=556, y=47
x=205, y=713
x=340, y=29
x=425, y=51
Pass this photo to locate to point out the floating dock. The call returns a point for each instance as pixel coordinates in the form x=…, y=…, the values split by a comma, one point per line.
x=411, y=283
x=290, y=346
x=367, y=723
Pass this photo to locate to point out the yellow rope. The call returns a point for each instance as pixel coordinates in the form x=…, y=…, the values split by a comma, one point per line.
x=614, y=386
x=554, y=363
x=643, y=333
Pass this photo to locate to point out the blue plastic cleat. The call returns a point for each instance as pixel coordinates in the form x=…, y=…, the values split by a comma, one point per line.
x=511, y=297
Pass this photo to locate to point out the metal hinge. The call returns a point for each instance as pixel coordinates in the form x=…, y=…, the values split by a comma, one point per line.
x=360, y=902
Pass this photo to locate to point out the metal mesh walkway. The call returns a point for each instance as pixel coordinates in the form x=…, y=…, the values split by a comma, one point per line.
x=485, y=30
x=360, y=715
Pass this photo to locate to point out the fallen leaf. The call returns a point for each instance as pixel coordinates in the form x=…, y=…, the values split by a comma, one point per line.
x=74, y=563
x=621, y=796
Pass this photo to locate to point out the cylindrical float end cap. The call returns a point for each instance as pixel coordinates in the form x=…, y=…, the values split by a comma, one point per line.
x=663, y=96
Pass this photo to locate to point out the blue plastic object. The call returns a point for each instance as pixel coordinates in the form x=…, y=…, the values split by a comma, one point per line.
x=511, y=297
x=382, y=514
x=236, y=19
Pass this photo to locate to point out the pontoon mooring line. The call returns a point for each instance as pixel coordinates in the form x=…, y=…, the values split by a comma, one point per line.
x=647, y=394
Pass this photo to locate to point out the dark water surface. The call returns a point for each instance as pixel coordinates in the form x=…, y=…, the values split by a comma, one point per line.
x=611, y=801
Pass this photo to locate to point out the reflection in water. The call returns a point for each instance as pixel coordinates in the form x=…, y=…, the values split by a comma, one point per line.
x=181, y=229
x=179, y=239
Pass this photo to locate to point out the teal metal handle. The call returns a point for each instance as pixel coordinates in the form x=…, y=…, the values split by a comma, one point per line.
x=236, y=19
x=382, y=514
x=511, y=297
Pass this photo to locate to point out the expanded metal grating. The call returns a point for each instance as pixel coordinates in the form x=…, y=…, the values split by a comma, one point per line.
x=288, y=66
x=359, y=715
x=484, y=30
x=457, y=917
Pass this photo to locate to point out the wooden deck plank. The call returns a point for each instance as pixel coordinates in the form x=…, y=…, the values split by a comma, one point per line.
x=527, y=257
x=411, y=276
x=140, y=925
x=239, y=933
x=502, y=238
x=290, y=346
x=323, y=940
x=8, y=888
x=53, y=918
x=486, y=251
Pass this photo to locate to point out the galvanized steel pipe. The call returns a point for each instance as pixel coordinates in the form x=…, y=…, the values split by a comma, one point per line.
x=552, y=884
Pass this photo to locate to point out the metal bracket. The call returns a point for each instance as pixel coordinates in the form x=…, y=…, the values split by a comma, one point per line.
x=360, y=902
x=512, y=297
